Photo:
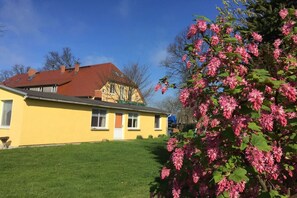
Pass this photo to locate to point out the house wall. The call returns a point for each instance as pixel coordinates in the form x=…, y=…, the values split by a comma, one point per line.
x=52, y=123
x=114, y=97
x=17, y=117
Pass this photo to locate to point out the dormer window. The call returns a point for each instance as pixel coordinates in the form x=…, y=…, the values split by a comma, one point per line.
x=112, y=88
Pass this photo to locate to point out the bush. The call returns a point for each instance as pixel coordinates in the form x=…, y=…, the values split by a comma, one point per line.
x=150, y=137
x=139, y=137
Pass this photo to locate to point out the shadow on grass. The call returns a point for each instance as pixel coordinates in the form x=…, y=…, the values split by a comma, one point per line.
x=161, y=155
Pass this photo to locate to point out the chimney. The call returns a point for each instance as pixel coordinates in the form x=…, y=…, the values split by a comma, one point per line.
x=76, y=67
x=31, y=72
x=62, y=68
x=98, y=95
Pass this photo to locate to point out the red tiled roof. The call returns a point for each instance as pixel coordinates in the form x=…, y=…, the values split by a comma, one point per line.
x=82, y=83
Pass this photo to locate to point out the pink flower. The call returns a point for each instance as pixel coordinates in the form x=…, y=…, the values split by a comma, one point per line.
x=268, y=90
x=158, y=86
x=277, y=43
x=213, y=65
x=215, y=122
x=171, y=144
x=177, y=158
x=277, y=153
x=266, y=121
x=288, y=91
x=238, y=123
x=176, y=190
x=192, y=31
x=203, y=108
x=229, y=30
x=184, y=57
x=294, y=38
x=276, y=53
x=183, y=97
x=197, y=44
x=256, y=97
x=164, y=89
x=243, y=53
x=253, y=48
x=189, y=64
x=202, y=58
x=287, y=27
x=230, y=186
x=165, y=172
x=228, y=104
x=279, y=114
x=283, y=13
x=215, y=28
x=257, y=37
x=214, y=40
x=295, y=13
x=231, y=81
x=242, y=70
x=202, y=26
x=238, y=37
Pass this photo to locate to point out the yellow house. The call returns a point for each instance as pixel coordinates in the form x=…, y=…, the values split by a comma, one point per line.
x=37, y=118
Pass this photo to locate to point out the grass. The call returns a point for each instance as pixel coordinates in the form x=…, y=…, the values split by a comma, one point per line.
x=105, y=169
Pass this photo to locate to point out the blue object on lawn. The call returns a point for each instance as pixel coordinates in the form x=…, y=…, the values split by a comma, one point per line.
x=171, y=119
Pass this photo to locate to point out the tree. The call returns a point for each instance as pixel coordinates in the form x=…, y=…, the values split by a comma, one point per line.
x=176, y=67
x=15, y=69
x=245, y=140
x=53, y=60
x=140, y=76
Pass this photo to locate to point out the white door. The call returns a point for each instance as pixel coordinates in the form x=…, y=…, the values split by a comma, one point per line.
x=118, y=129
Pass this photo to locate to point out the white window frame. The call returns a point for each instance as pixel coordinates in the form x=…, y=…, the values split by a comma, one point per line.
x=102, y=113
x=112, y=88
x=5, y=125
x=159, y=122
x=133, y=117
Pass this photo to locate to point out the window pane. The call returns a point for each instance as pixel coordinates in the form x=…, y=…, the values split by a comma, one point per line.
x=135, y=123
x=94, y=122
x=102, y=122
x=95, y=112
x=157, y=121
x=129, y=122
x=6, y=113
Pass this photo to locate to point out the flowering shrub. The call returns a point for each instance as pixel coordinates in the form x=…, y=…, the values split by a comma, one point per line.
x=245, y=143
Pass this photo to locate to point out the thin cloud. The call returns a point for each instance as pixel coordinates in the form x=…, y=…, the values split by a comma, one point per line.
x=20, y=17
x=93, y=59
x=158, y=56
x=124, y=8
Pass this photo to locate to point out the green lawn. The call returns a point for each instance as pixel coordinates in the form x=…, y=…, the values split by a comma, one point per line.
x=106, y=169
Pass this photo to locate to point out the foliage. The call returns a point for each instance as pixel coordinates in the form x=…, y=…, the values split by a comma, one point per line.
x=245, y=140
x=14, y=70
x=139, y=137
x=53, y=60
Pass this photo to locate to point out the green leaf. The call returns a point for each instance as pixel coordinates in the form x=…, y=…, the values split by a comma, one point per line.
x=244, y=142
x=217, y=176
x=238, y=175
x=254, y=126
x=203, y=18
x=266, y=108
x=230, y=40
x=260, y=142
x=291, y=148
x=225, y=74
x=280, y=72
x=255, y=115
x=215, y=101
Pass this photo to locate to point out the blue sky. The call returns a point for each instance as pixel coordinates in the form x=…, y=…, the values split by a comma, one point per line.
x=97, y=31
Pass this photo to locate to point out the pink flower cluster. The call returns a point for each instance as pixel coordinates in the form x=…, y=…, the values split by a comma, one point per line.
x=165, y=172
x=230, y=186
x=243, y=53
x=257, y=37
x=215, y=28
x=231, y=81
x=213, y=65
x=200, y=26
x=183, y=97
x=262, y=161
x=279, y=114
x=215, y=40
x=212, y=141
x=171, y=144
x=266, y=121
x=176, y=189
x=253, y=48
x=287, y=27
x=288, y=91
x=228, y=104
x=177, y=158
x=197, y=45
x=239, y=123
x=256, y=97
x=283, y=13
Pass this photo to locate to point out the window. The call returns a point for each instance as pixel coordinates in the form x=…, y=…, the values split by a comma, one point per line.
x=157, y=122
x=112, y=88
x=133, y=120
x=6, y=113
x=98, y=118
x=122, y=91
